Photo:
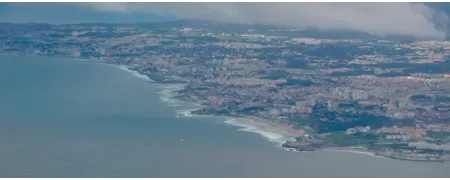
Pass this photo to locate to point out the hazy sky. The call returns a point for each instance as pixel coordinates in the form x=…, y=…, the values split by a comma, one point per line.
x=376, y=18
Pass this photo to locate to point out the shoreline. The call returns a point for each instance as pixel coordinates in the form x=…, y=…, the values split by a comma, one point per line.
x=277, y=132
x=284, y=131
x=136, y=73
x=263, y=128
x=353, y=150
x=278, y=125
x=272, y=131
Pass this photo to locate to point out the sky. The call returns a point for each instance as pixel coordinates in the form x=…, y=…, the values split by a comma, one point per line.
x=409, y=19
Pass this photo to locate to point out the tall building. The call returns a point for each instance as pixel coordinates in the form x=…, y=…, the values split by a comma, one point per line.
x=402, y=103
x=358, y=95
x=342, y=92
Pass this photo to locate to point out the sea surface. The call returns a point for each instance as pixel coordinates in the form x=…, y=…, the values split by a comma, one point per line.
x=66, y=118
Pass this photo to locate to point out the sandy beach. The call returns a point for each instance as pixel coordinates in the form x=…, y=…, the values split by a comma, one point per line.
x=356, y=150
x=278, y=125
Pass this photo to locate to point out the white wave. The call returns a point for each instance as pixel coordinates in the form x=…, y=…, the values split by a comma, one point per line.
x=170, y=89
x=169, y=101
x=167, y=95
x=273, y=135
x=135, y=73
x=356, y=152
x=185, y=112
x=188, y=112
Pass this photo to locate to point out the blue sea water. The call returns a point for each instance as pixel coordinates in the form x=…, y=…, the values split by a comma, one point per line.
x=68, y=118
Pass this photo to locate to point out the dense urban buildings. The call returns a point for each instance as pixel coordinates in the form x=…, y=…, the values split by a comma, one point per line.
x=391, y=97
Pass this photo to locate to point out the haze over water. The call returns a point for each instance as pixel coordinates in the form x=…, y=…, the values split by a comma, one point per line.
x=67, y=118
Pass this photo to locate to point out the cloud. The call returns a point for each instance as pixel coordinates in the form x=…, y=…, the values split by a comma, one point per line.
x=412, y=19
x=376, y=18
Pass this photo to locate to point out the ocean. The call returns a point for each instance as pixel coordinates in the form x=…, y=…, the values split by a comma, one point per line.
x=65, y=118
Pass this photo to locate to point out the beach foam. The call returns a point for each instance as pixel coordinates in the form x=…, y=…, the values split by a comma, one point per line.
x=135, y=73
x=168, y=93
x=356, y=152
x=185, y=112
x=273, y=135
